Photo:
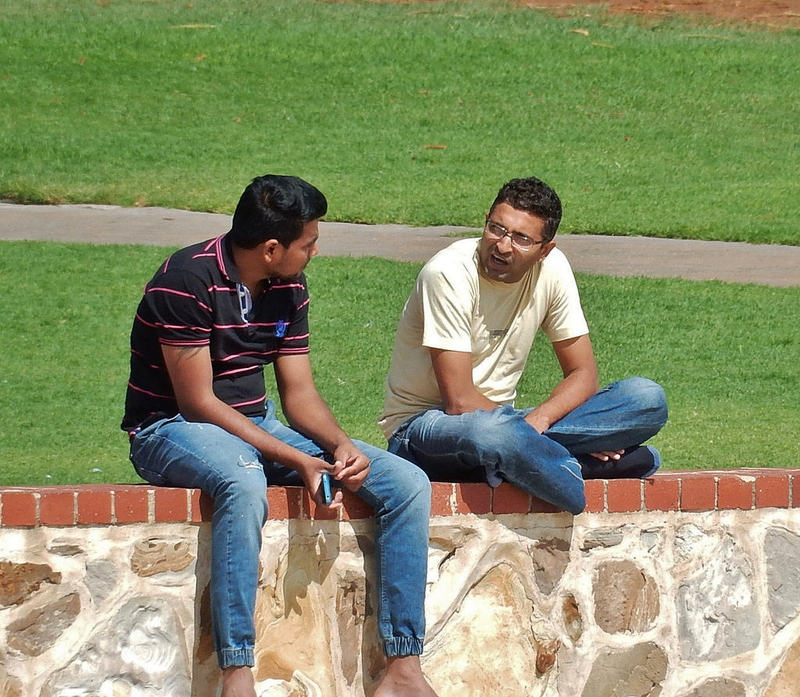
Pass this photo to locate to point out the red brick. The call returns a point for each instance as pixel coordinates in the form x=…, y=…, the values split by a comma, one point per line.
x=624, y=495
x=201, y=507
x=131, y=504
x=355, y=508
x=734, y=491
x=595, y=492
x=57, y=506
x=698, y=492
x=442, y=497
x=19, y=509
x=509, y=499
x=94, y=505
x=772, y=490
x=277, y=503
x=295, y=500
x=662, y=493
x=473, y=497
x=171, y=505
x=539, y=506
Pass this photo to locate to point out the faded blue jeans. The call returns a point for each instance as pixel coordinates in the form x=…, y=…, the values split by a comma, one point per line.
x=174, y=452
x=499, y=445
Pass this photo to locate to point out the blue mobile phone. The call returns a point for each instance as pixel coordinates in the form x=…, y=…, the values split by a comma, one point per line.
x=327, y=494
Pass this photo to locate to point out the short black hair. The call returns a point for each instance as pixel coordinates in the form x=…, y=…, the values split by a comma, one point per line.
x=275, y=206
x=533, y=196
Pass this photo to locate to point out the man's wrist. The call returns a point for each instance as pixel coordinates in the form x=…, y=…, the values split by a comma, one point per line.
x=539, y=420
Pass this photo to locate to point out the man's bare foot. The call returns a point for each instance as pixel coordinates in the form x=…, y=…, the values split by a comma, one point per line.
x=237, y=681
x=404, y=678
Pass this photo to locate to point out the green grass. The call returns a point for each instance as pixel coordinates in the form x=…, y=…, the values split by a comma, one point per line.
x=728, y=356
x=664, y=129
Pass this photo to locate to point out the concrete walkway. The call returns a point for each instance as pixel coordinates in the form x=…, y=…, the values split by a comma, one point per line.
x=738, y=262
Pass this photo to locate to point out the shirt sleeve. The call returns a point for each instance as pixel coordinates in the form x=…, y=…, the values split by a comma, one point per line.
x=447, y=298
x=564, y=318
x=178, y=306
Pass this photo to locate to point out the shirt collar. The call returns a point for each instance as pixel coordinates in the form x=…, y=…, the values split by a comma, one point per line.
x=223, y=248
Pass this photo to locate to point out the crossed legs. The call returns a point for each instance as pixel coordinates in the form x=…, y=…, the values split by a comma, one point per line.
x=499, y=445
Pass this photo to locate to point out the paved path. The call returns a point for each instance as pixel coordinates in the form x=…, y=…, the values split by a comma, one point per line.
x=776, y=265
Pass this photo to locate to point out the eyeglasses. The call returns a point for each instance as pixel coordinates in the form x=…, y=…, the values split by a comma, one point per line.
x=520, y=241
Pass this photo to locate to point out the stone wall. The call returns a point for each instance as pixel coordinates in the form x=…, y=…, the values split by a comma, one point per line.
x=684, y=585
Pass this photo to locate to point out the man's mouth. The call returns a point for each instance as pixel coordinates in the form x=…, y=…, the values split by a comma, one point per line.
x=498, y=260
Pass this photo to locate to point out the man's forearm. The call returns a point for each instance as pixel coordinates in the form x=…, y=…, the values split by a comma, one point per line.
x=216, y=412
x=567, y=395
x=309, y=414
x=453, y=371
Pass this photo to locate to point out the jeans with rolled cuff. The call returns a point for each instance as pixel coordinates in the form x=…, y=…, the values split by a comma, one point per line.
x=174, y=452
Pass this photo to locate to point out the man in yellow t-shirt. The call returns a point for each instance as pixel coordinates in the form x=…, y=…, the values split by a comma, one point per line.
x=463, y=341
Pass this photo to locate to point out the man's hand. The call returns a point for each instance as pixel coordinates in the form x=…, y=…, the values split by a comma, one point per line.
x=350, y=466
x=308, y=414
x=538, y=420
x=311, y=473
x=608, y=455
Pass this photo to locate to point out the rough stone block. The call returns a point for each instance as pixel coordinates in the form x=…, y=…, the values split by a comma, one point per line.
x=156, y=555
x=717, y=614
x=718, y=687
x=782, y=556
x=19, y=581
x=626, y=599
x=635, y=672
x=40, y=629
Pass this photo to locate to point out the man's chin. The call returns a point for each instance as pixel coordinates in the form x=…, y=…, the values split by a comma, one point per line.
x=493, y=273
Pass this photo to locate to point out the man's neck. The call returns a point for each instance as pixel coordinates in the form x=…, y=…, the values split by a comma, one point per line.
x=250, y=267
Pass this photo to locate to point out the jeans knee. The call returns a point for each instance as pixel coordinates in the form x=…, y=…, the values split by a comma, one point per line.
x=244, y=494
x=416, y=489
x=494, y=432
x=648, y=395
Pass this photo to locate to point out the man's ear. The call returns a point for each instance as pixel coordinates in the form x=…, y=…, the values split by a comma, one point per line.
x=547, y=248
x=269, y=247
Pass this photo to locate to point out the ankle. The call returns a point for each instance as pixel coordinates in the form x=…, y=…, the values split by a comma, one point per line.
x=237, y=681
x=404, y=678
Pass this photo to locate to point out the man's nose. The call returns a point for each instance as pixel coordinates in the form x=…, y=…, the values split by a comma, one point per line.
x=504, y=243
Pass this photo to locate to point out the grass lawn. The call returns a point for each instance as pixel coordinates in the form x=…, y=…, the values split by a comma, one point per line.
x=410, y=113
x=728, y=356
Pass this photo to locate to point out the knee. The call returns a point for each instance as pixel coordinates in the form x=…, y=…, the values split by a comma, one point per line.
x=417, y=488
x=648, y=396
x=399, y=487
x=491, y=432
x=243, y=492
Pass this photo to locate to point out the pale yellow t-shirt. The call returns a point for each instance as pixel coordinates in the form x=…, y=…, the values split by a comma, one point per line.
x=453, y=307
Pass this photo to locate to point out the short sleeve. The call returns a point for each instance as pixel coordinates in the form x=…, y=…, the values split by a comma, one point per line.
x=564, y=318
x=447, y=294
x=178, y=306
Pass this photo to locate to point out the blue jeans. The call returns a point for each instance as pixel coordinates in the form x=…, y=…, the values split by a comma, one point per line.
x=174, y=452
x=499, y=445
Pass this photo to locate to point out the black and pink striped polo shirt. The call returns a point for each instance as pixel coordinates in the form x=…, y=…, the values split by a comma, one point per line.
x=196, y=299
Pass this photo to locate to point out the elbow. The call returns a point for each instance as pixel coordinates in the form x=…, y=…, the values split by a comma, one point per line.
x=455, y=409
x=197, y=411
x=592, y=381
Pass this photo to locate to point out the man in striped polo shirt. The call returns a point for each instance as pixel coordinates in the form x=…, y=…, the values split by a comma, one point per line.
x=198, y=416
